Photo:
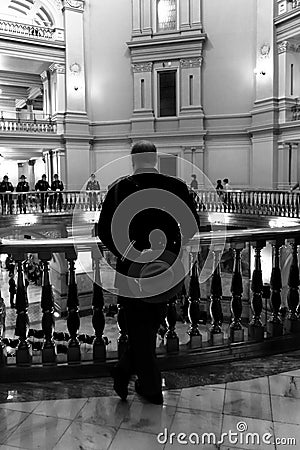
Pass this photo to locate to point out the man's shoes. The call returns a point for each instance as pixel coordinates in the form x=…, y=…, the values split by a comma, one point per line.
x=156, y=399
x=120, y=383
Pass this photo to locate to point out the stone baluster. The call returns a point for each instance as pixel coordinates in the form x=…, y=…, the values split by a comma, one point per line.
x=172, y=339
x=123, y=337
x=194, y=308
x=73, y=320
x=2, y=346
x=236, y=329
x=47, y=304
x=274, y=325
x=24, y=350
x=216, y=334
x=256, y=329
x=292, y=322
x=98, y=319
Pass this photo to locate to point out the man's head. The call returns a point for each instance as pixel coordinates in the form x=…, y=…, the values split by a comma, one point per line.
x=44, y=177
x=225, y=180
x=194, y=176
x=219, y=181
x=144, y=155
x=22, y=178
x=5, y=178
x=55, y=176
x=93, y=176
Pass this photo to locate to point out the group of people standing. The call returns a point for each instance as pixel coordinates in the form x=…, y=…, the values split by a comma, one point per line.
x=22, y=187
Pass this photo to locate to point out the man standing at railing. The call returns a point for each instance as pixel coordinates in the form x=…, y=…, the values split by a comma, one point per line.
x=6, y=199
x=93, y=185
x=57, y=186
x=22, y=186
x=144, y=215
x=43, y=186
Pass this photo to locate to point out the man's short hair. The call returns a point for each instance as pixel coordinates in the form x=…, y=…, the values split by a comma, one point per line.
x=55, y=175
x=44, y=176
x=143, y=147
x=225, y=180
x=144, y=152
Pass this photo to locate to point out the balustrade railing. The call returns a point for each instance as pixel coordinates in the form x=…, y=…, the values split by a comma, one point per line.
x=27, y=30
x=50, y=201
x=230, y=342
x=278, y=203
x=23, y=125
x=282, y=203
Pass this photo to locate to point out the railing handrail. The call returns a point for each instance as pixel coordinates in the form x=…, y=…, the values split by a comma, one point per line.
x=84, y=243
x=75, y=191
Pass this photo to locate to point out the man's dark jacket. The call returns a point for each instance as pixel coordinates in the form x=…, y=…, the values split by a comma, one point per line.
x=149, y=219
x=42, y=185
x=22, y=186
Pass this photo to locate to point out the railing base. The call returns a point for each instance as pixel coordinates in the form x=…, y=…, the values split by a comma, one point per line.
x=216, y=338
x=99, y=352
x=274, y=329
x=172, y=344
x=292, y=326
x=195, y=342
x=74, y=354
x=24, y=356
x=49, y=355
x=256, y=333
x=237, y=335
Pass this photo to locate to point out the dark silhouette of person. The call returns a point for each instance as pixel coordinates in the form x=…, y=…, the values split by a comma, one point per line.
x=194, y=182
x=57, y=185
x=219, y=188
x=22, y=186
x=6, y=199
x=93, y=185
x=149, y=228
x=43, y=186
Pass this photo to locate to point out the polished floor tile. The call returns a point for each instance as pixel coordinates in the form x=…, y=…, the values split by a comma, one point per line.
x=134, y=440
x=202, y=398
x=285, y=409
x=80, y=435
x=64, y=409
x=256, y=385
x=249, y=433
x=247, y=404
x=201, y=430
x=38, y=432
x=284, y=385
x=287, y=435
x=104, y=411
x=9, y=422
x=147, y=417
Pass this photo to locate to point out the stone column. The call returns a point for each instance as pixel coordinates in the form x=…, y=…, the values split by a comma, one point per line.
x=31, y=175
x=190, y=93
x=136, y=17
x=29, y=109
x=147, y=16
x=20, y=169
x=287, y=55
x=195, y=156
x=58, y=75
x=184, y=15
x=143, y=119
x=46, y=93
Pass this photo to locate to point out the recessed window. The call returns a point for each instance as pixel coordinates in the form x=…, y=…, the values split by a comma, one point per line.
x=166, y=15
x=167, y=93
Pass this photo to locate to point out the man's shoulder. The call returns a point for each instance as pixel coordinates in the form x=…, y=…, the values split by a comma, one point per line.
x=119, y=181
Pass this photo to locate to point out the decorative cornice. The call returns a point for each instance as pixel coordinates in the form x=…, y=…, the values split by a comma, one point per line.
x=76, y=4
x=56, y=67
x=144, y=67
x=191, y=62
x=286, y=46
x=44, y=75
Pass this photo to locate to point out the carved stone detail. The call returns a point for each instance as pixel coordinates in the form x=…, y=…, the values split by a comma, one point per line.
x=286, y=46
x=191, y=62
x=78, y=4
x=142, y=67
x=58, y=4
x=56, y=67
x=43, y=75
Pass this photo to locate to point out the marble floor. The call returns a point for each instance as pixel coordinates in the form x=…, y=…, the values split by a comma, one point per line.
x=257, y=413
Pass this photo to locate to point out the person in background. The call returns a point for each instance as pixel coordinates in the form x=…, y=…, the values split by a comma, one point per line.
x=6, y=199
x=22, y=186
x=2, y=315
x=58, y=186
x=219, y=188
x=10, y=265
x=43, y=186
x=194, y=182
x=12, y=290
x=93, y=185
x=226, y=189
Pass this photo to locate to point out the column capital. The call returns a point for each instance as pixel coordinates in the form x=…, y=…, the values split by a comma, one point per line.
x=44, y=76
x=56, y=67
x=142, y=67
x=77, y=5
x=287, y=46
x=191, y=62
x=20, y=164
x=31, y=162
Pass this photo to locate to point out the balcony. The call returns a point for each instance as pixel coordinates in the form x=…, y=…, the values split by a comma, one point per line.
x=50, y=355
x=36, y=124
x=34, y=32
